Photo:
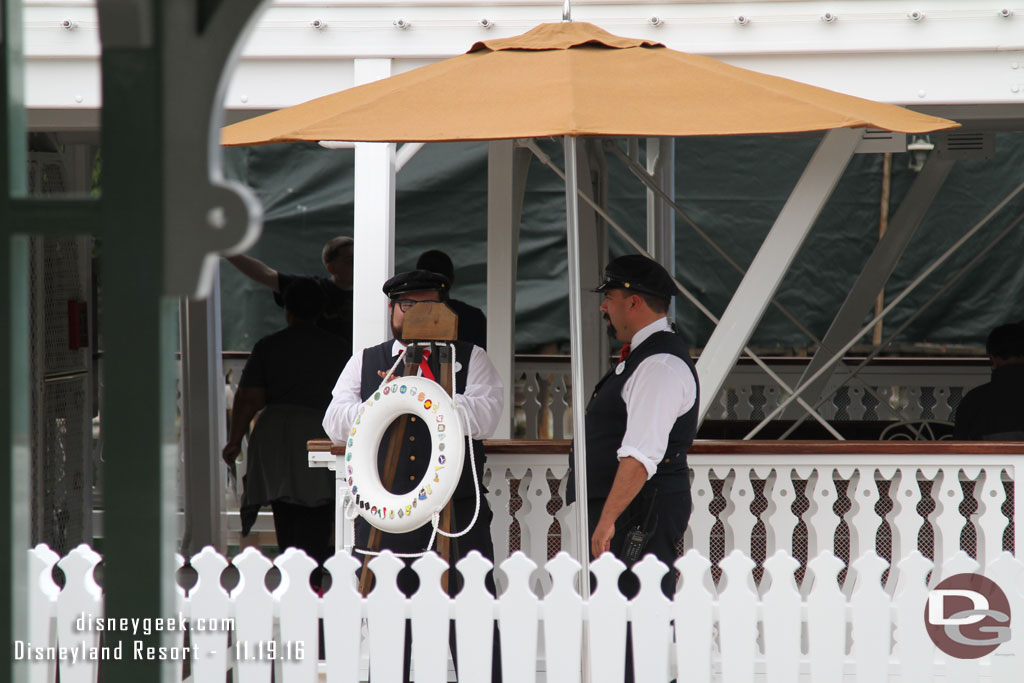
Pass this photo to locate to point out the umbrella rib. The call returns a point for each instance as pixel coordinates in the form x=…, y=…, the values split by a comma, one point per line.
x=752, y=79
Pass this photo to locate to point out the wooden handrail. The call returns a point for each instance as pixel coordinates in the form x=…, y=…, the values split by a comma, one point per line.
x=774, y=447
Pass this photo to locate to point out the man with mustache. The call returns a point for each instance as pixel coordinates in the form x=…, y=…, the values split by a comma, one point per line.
x=477, y=386
x=640, y=422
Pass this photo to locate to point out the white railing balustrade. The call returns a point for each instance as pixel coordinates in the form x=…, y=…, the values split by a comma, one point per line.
x=841, y=498
x=733, y=632
x=888, y=390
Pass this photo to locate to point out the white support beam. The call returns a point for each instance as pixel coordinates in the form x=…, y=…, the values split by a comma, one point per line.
x=374, y=226
x=773, y=259
x=878, y=267
x=661, y=218
x=507, y=167
x=204, y=421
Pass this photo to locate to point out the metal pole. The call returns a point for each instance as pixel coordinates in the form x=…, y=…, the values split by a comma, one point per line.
x=576, y=353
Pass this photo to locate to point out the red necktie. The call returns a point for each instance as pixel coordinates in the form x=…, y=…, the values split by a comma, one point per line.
x=623, y=352
x=424, y=367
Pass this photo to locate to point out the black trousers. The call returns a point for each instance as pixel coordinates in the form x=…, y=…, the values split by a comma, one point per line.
x=666, y=516
x=478, y=538
x=308, y=528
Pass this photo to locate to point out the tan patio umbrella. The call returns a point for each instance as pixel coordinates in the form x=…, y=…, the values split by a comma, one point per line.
x=572, y=79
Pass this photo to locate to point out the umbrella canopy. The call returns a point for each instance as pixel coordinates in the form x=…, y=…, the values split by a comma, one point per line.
x=572, y=79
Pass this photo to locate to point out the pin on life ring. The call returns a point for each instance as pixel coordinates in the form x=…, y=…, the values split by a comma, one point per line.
x=426, y=400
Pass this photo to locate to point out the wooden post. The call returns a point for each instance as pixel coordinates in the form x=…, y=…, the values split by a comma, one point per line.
x=427, y=321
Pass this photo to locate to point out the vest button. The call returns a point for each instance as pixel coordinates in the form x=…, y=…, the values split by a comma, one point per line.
x=412, y=478
x=412, y=457
x=412, y=438
x=413, y=419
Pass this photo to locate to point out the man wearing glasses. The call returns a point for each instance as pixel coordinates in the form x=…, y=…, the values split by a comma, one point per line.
x=477, y=386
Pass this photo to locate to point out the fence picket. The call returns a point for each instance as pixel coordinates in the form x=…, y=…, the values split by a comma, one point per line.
x=864, y=520
x=499, y=496
x=887, y=640
x=959, y=670
x=915, y=652
x=474, y=621
x=385, y=617
x=566, y=517
x=559, y=406
x=208, y=602
x=1008, y=574
x=781, y=617
x=534, y=520
x=740, y=521
x=649, y=614
x=428, y=610
x=738, y=619
x=297, y=607
x=870, y=618
x=780, y=521
x=81, y=596
x=254, y=617
x=821, y=518
x=698, y=531
x=42, y=608
x=826, y=620
x=606, y=617
x=947, y=521
x=906, y=522
x=562, y=612
x=989, y=519
x=342, y=613
x=518, y=610
x=693, y=612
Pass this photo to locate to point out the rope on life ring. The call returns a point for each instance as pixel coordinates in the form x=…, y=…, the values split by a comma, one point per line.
x=405, y=512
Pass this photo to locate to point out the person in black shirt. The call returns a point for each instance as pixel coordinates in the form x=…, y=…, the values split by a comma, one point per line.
x=472, y=322
x=995, y=411
x=336, y=314
x=289, y=376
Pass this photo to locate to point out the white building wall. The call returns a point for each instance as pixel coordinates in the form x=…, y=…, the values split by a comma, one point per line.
x=955, y=53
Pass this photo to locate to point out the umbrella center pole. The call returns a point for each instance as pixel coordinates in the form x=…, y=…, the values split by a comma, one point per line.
x=567, y=11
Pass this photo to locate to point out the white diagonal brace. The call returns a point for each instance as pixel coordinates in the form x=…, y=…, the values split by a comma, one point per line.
x=652, y=186
x=879, y=266
x=924, y=275
x=853, y=372
x=773, y=260
x=690, y=296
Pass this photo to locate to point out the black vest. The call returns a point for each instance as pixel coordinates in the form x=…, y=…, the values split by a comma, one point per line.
x=414, y=456
x=606, y=425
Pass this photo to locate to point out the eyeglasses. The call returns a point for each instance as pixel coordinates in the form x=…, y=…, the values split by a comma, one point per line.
x=406, y=304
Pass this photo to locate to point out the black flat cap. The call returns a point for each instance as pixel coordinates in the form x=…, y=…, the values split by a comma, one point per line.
x=416, y=281
x=636, y=273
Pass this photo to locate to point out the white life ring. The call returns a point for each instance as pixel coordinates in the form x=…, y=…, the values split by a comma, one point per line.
x=426, y=400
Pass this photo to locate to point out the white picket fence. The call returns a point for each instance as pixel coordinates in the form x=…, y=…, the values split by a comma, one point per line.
x=779, y=631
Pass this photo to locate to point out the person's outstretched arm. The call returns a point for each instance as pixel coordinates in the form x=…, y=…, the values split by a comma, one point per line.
x=256, y=270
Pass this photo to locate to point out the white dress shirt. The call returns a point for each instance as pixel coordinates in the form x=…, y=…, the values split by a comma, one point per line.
x=483, y=398
x=660, y=390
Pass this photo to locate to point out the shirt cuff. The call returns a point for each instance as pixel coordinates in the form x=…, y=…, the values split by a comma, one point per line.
x=630, y=452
